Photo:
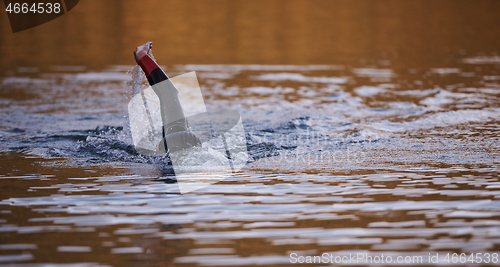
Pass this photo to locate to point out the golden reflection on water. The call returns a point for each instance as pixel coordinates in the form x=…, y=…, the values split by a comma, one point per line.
x=99, y=33
x=445, y=172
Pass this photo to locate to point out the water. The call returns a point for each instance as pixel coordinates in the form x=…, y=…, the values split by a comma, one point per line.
x=369, y=136
x=342, y=160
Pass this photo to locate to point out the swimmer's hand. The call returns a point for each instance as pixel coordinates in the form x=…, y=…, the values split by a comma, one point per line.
x=142, y=51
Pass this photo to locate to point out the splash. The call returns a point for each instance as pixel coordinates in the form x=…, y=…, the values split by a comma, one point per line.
x=221, y=132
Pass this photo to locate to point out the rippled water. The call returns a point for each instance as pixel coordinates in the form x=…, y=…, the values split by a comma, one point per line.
x=343, y=159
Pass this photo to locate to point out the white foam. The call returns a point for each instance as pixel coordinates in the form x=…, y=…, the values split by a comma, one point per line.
x=74, y=249
x=441, y=119
x=482, y=60
x=445, y=71
x=98, y=76
x=369, y=90
x=445, y=97
x=299, y=77
x=126, y=250
x=372, y=72
x=269, y=90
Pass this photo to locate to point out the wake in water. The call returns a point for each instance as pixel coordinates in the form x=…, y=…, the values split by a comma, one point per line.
x=288, y=111
x=170, y=118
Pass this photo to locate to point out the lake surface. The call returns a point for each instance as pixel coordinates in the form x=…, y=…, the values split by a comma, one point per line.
x=371, y=128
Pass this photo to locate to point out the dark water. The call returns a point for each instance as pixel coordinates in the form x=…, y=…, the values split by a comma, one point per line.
x=371, y=127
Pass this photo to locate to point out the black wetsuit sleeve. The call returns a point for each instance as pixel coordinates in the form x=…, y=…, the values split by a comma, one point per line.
x=152, y=70
x=157, y=76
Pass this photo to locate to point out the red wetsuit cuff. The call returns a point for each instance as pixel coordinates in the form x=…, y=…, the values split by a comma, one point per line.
x=148, y=65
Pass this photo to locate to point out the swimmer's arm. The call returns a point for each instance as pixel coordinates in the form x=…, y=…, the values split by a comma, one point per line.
x=152, y=70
